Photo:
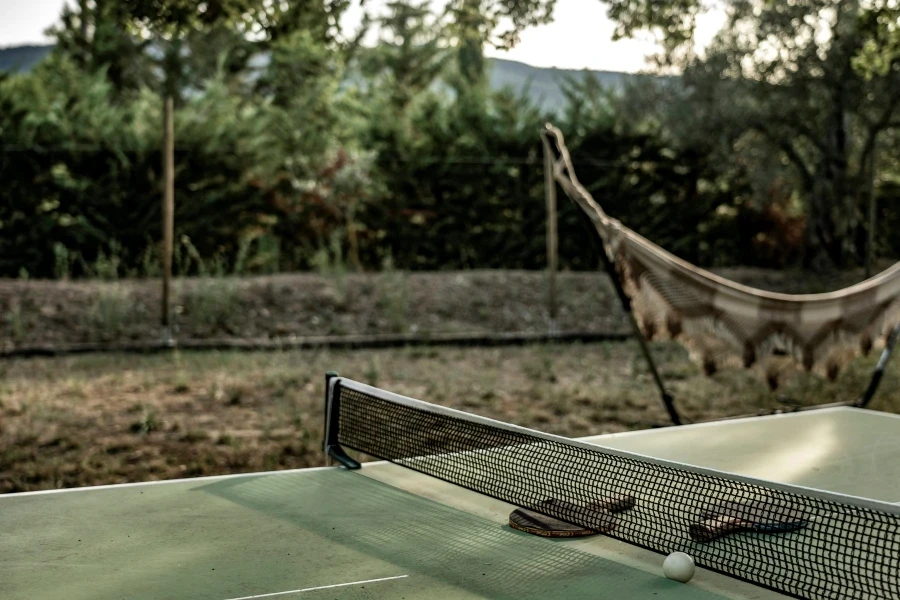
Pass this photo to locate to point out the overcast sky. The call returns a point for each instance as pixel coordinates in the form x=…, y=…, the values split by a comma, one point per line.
x=578, y=38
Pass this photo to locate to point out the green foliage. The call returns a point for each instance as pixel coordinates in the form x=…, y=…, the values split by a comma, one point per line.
x=82, y=169
x=75, y=167
x=299, y=149
x=407, y=59
x=96, y=36
x=880, y=52
x=779, y=94
x=671, y=21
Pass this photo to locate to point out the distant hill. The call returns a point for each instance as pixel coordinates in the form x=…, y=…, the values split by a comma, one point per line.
x=544, y=84
x=22, y=58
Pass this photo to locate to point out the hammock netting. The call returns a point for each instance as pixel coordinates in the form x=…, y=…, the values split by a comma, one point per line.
x=726, y=324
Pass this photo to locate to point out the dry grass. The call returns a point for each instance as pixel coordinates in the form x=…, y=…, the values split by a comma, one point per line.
x=99, y=419
x=308, y=304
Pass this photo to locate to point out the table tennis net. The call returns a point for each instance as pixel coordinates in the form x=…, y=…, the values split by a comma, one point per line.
x=834, y=546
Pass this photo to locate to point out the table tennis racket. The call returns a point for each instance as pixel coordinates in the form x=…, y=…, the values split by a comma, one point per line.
x=603, y=517
x=757, y=517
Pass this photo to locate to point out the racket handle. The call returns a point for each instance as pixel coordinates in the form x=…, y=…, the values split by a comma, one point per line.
x=713, y=529
x=616, y=503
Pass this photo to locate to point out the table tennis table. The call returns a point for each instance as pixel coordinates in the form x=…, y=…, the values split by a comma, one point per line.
x=387, y=530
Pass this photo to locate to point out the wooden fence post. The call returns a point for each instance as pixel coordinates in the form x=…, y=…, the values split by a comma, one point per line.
x=552, y=241
x=870, y=243
x=168, y=213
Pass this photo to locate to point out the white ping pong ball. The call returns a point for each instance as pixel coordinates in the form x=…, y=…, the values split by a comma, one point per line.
x=679, y=566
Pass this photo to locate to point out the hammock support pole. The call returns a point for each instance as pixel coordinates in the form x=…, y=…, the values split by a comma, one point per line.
x=879, y=369
x=668, y=400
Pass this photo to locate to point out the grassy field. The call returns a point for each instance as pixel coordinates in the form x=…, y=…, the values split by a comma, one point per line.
x=336, y=303
x=98, y=419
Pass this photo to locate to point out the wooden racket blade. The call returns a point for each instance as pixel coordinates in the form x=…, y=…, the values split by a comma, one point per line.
x=537, y=523
x=534, y=523
x=713, y=529
x=733, y=517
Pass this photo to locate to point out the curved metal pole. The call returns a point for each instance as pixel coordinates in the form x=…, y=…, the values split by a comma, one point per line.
x=879, y=369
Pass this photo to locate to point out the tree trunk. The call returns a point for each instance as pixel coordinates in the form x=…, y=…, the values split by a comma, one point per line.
x=833, y=220
x=470, y=53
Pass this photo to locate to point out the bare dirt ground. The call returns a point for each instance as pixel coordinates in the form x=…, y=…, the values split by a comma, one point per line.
x=111, y=418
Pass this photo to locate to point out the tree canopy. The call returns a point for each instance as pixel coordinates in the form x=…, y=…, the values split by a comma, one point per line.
x=298, y=146
x=784, y=78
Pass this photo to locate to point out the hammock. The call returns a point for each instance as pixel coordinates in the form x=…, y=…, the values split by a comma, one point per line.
x=723, y=323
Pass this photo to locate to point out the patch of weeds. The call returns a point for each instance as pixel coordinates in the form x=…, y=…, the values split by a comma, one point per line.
x=106, y=265
x=679, y=372
x=212, y=302
x=225, y=439
x=77, y=390
x=63, y=260
x=257, y=254
x=582, y=401
x=393, y=297
x=370, y=373
x=298, y=420
x=15, y=321
x=420, y=352
x=148, y=422
x=195, y=437
x=541, y=370
x=328, y=261
x=186, y=258
x=271, y=461
x=111, y=310
x=541, y=418
x=231, y=396
x=149, y=262
x=235, y=395
x=338, y=328
x=294, y=449
x=27, y=439
x=181, y=384
x=559, y=407
x=119, y=448
x=488, y=395
x=61, y=443
x=606, y=349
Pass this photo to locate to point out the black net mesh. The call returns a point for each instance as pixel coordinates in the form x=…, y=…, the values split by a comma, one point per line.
x=819, y=548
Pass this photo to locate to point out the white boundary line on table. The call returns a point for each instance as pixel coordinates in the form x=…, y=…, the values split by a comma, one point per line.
x=321, y=587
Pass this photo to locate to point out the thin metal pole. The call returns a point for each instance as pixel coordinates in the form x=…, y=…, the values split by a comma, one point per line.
x=668, y=400
x=878, y=373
